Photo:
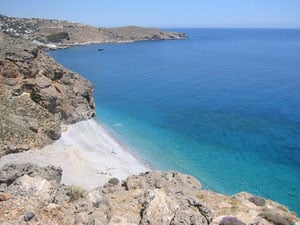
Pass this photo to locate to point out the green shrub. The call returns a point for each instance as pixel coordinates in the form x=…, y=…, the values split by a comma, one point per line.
x=35, y=96
x=57, y=37
x=75, y=192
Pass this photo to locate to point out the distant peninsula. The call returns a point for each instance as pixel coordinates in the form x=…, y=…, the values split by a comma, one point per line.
x=60, y=34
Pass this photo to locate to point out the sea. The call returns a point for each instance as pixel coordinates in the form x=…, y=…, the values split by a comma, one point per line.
x=222, y=105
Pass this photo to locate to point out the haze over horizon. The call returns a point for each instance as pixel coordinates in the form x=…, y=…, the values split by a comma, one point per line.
x=167, y=13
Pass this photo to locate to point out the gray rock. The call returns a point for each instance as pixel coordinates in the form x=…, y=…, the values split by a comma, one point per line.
x=203, y=209
x=228, y=220
x=97, y=198
x=169, y=199
x=10, y=172
x=187, y=216
x=113, y=181
x=276, y=219
x=3, y=187
x=257, y=201
x=43, y=82
x=173, y=182
x=158, y=208
x=29, y=216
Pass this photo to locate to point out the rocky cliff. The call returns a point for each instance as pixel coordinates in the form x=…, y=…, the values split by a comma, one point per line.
x=36, y=96
x=57, y=33
x=33, y=195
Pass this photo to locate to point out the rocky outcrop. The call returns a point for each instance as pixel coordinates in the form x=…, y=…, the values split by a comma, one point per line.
x=168, y=198
x=57, y=33
x=10, y=172
x=37, y=95
x=29, y=193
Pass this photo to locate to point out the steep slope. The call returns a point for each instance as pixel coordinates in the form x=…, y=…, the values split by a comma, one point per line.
x=36, y=96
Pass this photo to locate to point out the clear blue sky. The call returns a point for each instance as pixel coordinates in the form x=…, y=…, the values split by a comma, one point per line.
x=162, y=13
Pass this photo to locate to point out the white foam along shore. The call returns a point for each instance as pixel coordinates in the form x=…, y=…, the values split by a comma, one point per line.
x=88, y=154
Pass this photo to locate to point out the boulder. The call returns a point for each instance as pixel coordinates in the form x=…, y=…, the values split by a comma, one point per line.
x=158, y=208
x=257, y=201
x=228, y=220
x=172, y=182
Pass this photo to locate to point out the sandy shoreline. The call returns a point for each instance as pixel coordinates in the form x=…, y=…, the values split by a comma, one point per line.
x=88, y=154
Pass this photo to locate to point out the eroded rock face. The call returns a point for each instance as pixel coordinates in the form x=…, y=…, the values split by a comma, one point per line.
x=36, y=96
x=150, y=202
x=169, y=198
x=34, y=194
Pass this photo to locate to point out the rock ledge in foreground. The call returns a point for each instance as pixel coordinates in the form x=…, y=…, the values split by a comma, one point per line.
x=32, y=193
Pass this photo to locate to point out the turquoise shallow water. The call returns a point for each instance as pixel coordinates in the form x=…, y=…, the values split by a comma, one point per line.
x=223, y=105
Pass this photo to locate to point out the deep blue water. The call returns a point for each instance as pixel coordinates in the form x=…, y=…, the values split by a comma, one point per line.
x=222, y=105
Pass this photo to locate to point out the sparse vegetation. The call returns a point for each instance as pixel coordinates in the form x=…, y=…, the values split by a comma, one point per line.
x=234, y=201
x=283, y=208
x=35, y=96
x=57, y=37
x=75, y=192
x=200, y=196
x=234, y=208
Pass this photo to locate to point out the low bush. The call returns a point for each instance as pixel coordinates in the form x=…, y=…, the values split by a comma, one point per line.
x=57, y=37
x=35, y=96
x=75, y=192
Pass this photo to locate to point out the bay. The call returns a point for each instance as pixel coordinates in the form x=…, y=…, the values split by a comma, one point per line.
x=222, y=105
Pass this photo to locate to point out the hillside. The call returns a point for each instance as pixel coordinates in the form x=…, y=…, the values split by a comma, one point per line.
x=57, y=33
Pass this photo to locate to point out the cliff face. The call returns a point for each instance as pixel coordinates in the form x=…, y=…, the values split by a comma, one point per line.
x=36, y=96
x=29, y=193
x=63, y=33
